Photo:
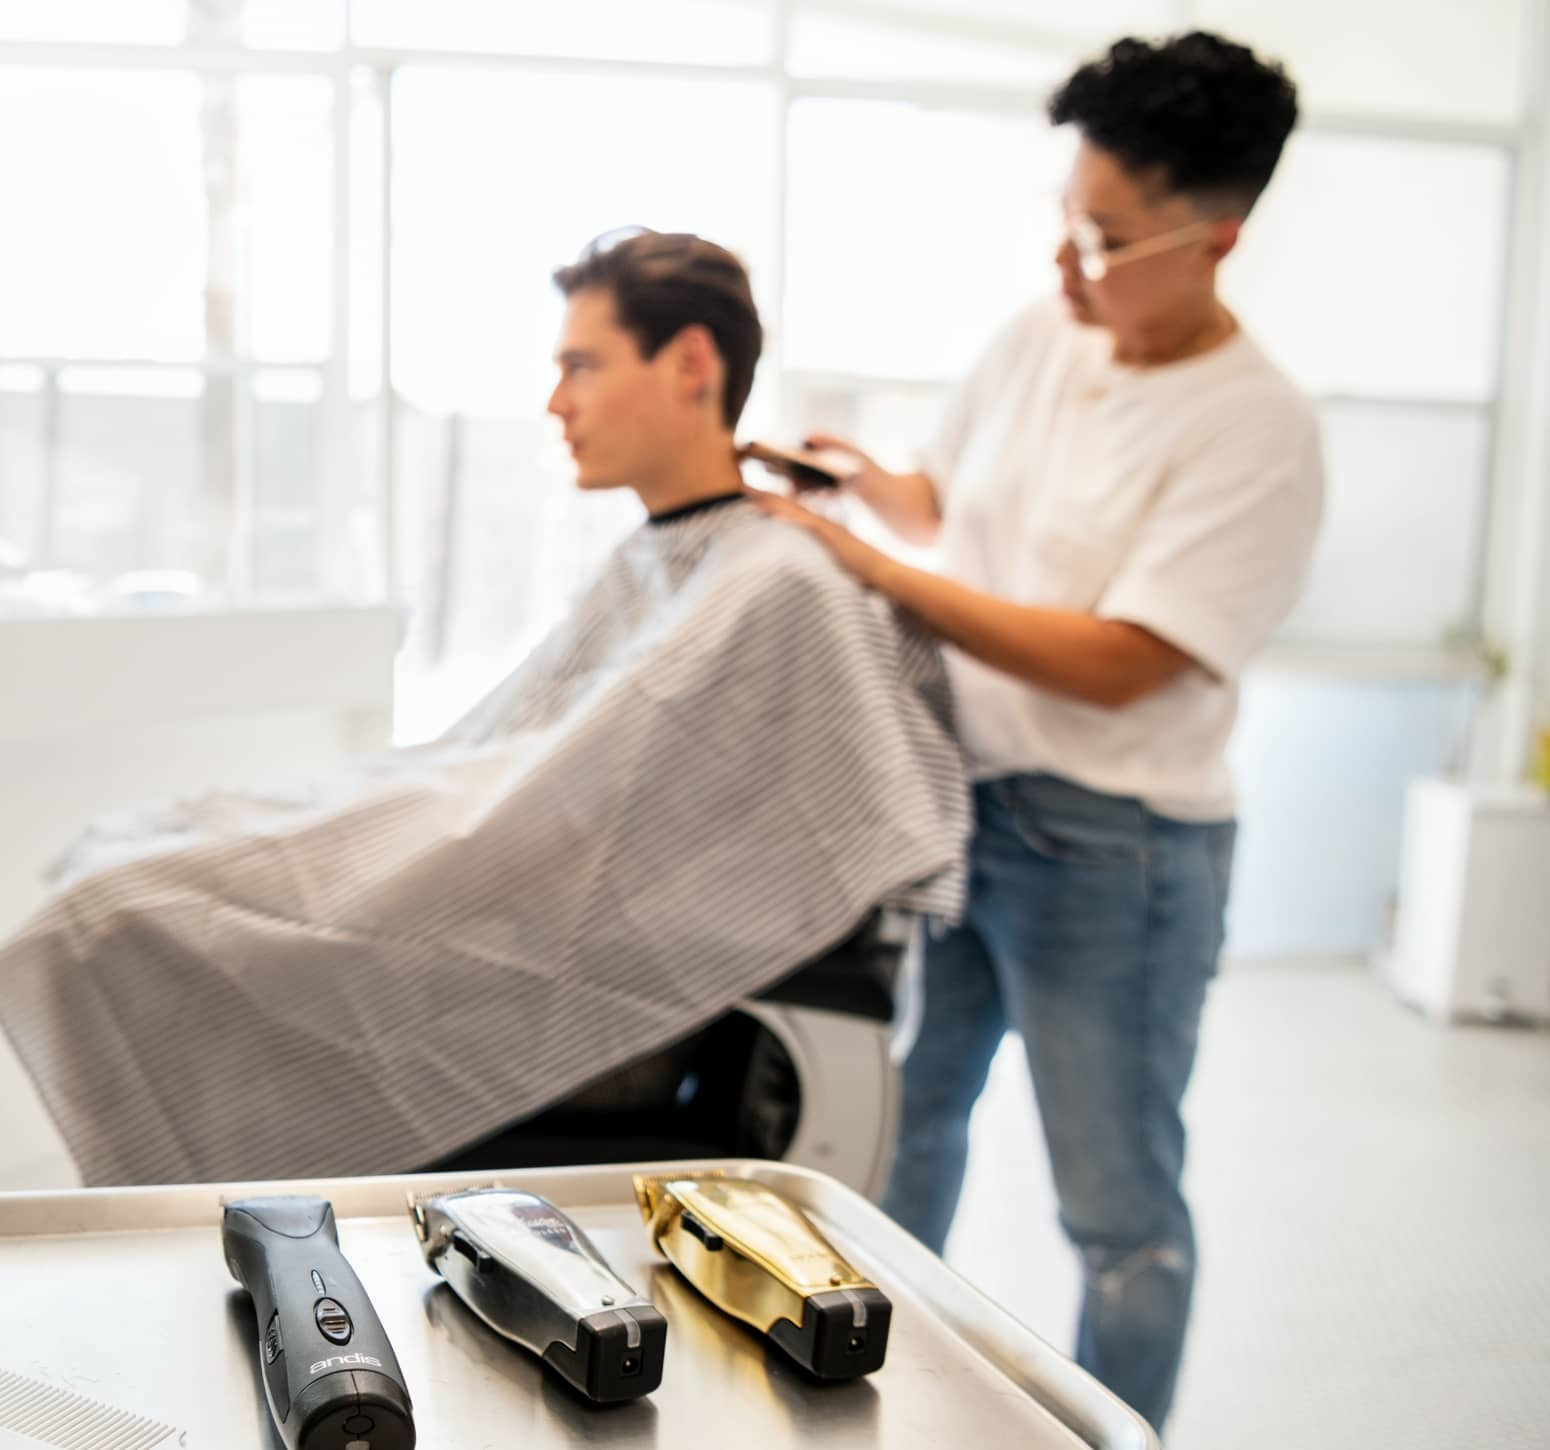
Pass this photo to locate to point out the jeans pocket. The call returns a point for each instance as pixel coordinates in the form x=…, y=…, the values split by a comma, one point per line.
x=1065, y=823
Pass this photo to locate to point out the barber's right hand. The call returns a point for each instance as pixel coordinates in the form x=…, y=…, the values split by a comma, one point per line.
x=868, y=474
x=906, y=502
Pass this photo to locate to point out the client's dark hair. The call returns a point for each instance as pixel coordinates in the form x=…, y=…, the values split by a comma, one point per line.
x=661, y=283
x=1206, y=115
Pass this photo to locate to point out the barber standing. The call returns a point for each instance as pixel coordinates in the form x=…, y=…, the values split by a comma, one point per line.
x=1125, y=492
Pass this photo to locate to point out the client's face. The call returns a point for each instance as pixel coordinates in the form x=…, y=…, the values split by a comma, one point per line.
x=609, y=397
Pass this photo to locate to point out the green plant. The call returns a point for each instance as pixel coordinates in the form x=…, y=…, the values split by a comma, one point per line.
x=1492, y=664
x=1488, y=665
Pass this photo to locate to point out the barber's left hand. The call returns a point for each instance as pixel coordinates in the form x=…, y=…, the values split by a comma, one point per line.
x=861, y=559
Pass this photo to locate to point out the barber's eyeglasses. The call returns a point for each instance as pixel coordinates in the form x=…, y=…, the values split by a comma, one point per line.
x=1097, y=260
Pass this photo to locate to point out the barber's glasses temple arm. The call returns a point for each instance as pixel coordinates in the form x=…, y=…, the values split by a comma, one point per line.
x=1097, y=260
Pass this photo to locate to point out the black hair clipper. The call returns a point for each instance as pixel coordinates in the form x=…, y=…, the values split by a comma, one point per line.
x=533, y=1276
x=758, y=1257
x=331, y=1376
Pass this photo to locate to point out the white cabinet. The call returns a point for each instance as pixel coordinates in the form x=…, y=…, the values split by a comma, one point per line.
x=1472, y=937
x=103, y=713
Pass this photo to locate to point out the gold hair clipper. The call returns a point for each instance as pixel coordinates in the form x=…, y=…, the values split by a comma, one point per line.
x=756, y=1256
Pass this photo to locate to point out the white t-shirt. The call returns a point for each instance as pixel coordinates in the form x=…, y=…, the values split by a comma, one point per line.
x=1183, y=498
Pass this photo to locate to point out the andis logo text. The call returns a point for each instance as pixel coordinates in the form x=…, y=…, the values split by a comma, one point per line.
x=345, y=1361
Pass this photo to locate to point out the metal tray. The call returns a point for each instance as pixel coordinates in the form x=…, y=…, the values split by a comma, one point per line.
x=116, y=1302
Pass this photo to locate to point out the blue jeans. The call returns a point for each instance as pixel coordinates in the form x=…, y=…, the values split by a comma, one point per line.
x=1092, y=928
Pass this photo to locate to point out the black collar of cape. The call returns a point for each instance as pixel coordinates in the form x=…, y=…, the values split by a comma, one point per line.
x=699, y=505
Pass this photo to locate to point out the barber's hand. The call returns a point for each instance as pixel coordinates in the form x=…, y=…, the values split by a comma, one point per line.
x=868, y=471
x=860, y=558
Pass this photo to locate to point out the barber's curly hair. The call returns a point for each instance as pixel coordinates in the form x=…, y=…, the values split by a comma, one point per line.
x=1206, y=115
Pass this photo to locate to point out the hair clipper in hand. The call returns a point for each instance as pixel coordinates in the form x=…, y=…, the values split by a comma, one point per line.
x=805, y=467
x=533, y=1276
x=756, y=1256
x=331, y=1376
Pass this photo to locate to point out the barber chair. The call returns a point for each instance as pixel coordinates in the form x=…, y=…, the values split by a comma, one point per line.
x=800, y=1073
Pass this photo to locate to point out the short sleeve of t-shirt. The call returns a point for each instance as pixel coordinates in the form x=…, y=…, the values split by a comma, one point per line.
x=1224, y=548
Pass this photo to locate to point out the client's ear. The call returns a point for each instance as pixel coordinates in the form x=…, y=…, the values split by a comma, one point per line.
x=697, y=366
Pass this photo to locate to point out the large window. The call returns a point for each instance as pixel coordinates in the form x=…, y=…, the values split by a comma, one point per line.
x=103, y=253
x=275, y=299
x=904, y=240
x=1375, y=273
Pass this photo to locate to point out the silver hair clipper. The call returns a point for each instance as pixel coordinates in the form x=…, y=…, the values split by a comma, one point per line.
x=533, y=1276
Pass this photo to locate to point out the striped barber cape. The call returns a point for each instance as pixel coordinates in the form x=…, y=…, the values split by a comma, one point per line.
x=712, y=772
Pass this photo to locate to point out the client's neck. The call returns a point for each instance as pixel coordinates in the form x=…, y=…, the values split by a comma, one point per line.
x=706, y=469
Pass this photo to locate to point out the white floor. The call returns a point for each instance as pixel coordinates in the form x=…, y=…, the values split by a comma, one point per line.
x=1372, y=1194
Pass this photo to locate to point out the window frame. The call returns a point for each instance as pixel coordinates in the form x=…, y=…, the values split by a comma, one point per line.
x=1510, y=415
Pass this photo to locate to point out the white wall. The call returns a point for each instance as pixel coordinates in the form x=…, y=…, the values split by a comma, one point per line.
x=1321, y=765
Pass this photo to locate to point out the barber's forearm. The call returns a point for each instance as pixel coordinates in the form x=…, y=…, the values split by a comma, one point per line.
x=905, y=502
x=1100, y=661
